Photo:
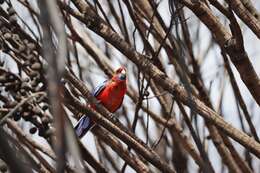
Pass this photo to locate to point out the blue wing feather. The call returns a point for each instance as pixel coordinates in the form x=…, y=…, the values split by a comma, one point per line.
x=99, y=88
x=85, y=123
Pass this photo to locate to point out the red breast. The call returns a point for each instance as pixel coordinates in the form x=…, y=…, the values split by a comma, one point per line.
x=113, y=95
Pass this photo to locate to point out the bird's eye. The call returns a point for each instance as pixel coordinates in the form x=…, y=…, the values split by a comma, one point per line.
x=118, y=70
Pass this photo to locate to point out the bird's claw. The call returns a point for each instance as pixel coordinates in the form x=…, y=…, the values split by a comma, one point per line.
x=113, y=117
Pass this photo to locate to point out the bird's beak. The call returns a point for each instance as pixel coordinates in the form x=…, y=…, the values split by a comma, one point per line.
x=123, y=72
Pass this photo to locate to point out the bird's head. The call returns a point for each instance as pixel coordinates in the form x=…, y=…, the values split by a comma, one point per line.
x=120, y=74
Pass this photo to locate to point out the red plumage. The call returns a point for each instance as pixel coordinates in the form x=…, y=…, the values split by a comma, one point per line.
x=113, y=94
x=110, y=94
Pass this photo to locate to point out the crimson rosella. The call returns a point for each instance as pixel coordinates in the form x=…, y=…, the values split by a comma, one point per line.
x=110, y=94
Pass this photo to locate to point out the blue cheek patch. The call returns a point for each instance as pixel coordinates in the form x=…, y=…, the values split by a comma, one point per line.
x=122, y=76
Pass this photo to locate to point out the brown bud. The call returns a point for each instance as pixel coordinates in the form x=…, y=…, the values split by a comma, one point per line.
x=26, y=63
x=21, y=48
x=17, y=96
x=45, y=120
x=25, y=41
x=26, y=116
x=7, y=35
x=33, y=73
x=34, y=83
x=25, y=79
x=20, y=109
x=29, y=107
x=36, y=110
x=36, y=66
x=11, y=104
x=25, y=86
x=3, y=78
x=49, y=132
x=11, y=11
x=12, y=19
x=29, y=57
x=31, y=46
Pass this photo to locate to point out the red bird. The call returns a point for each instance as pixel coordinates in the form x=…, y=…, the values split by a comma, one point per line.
x=110, y=94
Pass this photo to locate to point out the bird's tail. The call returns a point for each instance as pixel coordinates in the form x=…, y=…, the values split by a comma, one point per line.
x=83, y=126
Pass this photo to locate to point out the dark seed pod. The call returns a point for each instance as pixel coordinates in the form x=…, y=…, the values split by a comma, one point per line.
x=16, y=88
x=208, y=137
x=29, y=57
x=33, y=130
x=49, y=132
x=38, y=78
x=45, y=120
x=17, y=96
x=7, y=88
x=146, y=93
x=33, y=60
x=23, y=92
x=25, y=86
x=11, y=77
x=2, y=63
x=34, y=83
x=12, y=17
x=17, y=116
x=27, y=116
x=45, y=106
x=41, y=131
x=33, y=73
